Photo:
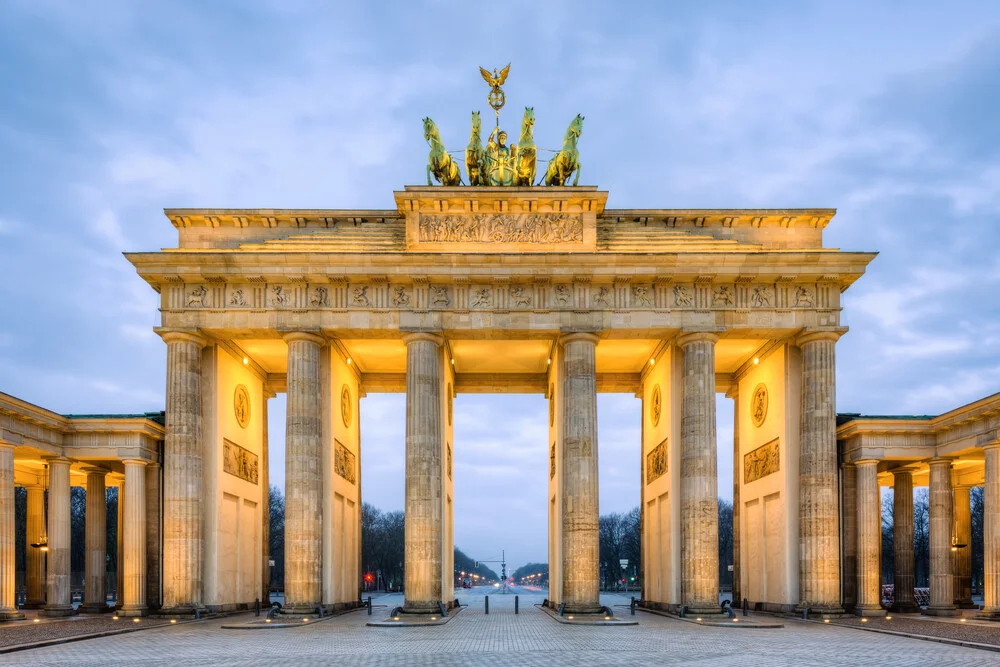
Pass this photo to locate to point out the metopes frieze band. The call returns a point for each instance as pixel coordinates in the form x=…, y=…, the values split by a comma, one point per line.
x=499, y=294
x=501, y=228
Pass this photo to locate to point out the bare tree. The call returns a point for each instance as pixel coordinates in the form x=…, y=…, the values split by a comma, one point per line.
x=276, y=538
x=725, y=543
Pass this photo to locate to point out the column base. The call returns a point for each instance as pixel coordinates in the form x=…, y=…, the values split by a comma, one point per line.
x=966, y=604
x=182, y=610
x=302, y=609
x=33, y=604
x=133, y=611
x=872, y=610
x=822, y=609
x=421, y=607
x=906, y=608
x=56, y=611
x=11, y=615
x=583, y=608
x=94, y=608
x=991, y=614
x=942, y=611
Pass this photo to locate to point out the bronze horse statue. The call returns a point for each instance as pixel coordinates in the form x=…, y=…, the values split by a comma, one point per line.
x=526, y=163
x=439, y=163
x=475, y=154
x=567, y=160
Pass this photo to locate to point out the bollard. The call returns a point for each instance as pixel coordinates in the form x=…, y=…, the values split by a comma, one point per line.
x=197, y=614
x=369, y=605
x=256, y=607
x=632, y=606
x=487, y=598
x=745, y=605
x=515, y=604
x=319, y=611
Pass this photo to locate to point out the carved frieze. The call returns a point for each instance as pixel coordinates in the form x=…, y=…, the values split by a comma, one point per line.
x=501, y=228
x=656, y=462
x=239, y=462
x=655, y=406
x=241, y=405
x=758, y=404
x=344, y=462
x=761, y=462
x=346, y=406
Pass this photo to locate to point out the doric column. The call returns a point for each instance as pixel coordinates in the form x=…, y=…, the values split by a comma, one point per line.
x=580, y=515
x=734, y=394
x=991, y=533
x=902, y=541
x=819, y=551
x=869, y=508
x=120, y=547
x=962, y=557
x=134, y=561
x=95, y=599
x=699, y=476
x=941, y=519
x=8, y=538
x=58, y=602
x=153, y=471
x=183, y=476
x=265, y=513
x=849, y=534
x=424, y=484
x=35, y=557
x=303, y=476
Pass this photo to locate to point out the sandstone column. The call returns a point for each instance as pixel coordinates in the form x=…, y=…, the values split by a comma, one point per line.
x=849, y=534
x=134, y=561
x=8, y=603
x=581, y=559
x=303, y=476
x=734, y=394
x=819, y=551
x=35, y=561
x=962, y=559
x=120, y=548
x=95, y=598
x=699, y=476
x=902, y=540
x=869, y=508
x=182, y=476
x=58, y=601
x=991, y=533
x=424, y=485
x=941, y=519
x=153, y=599
x=265, y=513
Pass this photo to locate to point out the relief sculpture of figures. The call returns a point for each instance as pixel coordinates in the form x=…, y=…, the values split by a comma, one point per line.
x=197, y=296
x=520, y=296
x=238, y=298
x=475, y=155
x=439, y=163
x=360, y=296
x=760, y=297
x=567, y=160
x=803, y=297
x=526, y=152
x=440, y=296
x=682, y=295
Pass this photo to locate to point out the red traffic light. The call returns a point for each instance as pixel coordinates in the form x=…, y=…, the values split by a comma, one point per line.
x=368, y=577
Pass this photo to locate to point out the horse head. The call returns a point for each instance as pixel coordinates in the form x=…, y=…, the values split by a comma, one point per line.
x=476, y=123
x=430, y=129
x=529, y=117
x=576, y=127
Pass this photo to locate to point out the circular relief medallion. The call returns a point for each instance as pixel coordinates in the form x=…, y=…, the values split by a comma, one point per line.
x=552, y=405
x=241, y=405
x=655, y=404
x=758, y=404
x=451, y=405
x=345, y=405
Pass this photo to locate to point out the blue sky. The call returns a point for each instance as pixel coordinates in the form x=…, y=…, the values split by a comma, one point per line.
x=113, y=110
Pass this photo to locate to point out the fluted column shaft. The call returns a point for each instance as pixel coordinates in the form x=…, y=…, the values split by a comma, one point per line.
x=35, y=560
x=819, y=548
x=120, y=548
x=8, y=602
x=424, y=510
x=580, y=558
x=902, y=541
x=153, y=565
x=941, y=519
x=95, y=597
x=737, y=473
x=991, y=533
x=58, y=602
x=962, y=558
x=849, y=533
x=134, y=561
x=183, y=538
x=699, y=476
x=265, y=511
x=303, y=475
x=869, y=539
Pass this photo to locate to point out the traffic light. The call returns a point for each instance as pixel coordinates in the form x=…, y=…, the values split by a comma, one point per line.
x=368, y=577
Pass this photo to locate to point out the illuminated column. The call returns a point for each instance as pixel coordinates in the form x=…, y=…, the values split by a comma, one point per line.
x=265, y=480
x=134, y=561
x=58, y=602
x=183, y=540
x=869, y=509
x=734, y=394
x=991, y=533
x=424, y=483
x=962, y=557
x=153, y=598
x=699, y=476
x=8, y=603
x=941, y=519
x=303, y=476
x=35, y=561
x=849, y=533
x=580, y=516
x=819, y=548
x=902, y=541
x=120, y=548
x=95, y=598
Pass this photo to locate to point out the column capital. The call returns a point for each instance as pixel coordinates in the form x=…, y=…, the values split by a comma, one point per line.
x=308, y=336
x=866, y=462
x=95, y=470
x=939, y=460
x=576, y=336
x=135, y=462
x=815, y=335
x=901, y=472
x=58, y=459
x=687, y=337
x=734, y=391
x=991, y=445
x=7, y=445
x=414, y=336
x=181, y=336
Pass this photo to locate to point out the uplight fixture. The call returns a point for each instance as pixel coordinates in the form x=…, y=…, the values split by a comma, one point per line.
x=245, y=361
x=756, y=360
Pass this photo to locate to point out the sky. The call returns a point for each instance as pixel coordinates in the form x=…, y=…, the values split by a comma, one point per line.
x=114, y=110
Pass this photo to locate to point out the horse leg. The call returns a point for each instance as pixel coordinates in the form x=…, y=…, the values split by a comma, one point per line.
x=429, y=175
x=576, y=181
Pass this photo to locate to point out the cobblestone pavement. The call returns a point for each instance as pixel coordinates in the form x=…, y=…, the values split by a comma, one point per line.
x=501, y=638
x=24, y=632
